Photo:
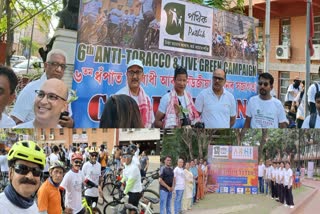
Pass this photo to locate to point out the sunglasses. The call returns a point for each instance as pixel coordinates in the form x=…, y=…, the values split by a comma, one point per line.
x=24, y=170
x=94, y=155
x=50, y=96
x=218, y=78
x=264, y=83
x=78, y=162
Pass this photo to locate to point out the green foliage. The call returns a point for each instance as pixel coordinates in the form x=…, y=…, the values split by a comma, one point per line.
x=25, y=42
x=236, y=6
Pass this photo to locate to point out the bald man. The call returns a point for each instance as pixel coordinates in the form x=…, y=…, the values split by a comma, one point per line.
x=216, y=105
x=50, y=101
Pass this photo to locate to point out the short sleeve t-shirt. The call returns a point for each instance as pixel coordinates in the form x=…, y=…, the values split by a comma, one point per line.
x=265, y=113
x=166, y=174
x=180, y=178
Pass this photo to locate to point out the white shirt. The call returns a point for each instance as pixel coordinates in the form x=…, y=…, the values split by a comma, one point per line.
x=72, y=183
x=92, y=172
x=277, y=175
x=30, y=124
x=7, y=207
x=289, y=97
x=53, y=158
x=307, y=120
x=23, y=108
x=6, y=121
x=132, y=171
x=164, y=102
x=273, y=172
x=300, y=109
x=180, y=178
x=4, y=163
x=287, y=175
x=312, y=93
x=265, y=113
x=268, y=172
x=215, y=111
x=124, y=90
x=261, y=170
x=281, y=175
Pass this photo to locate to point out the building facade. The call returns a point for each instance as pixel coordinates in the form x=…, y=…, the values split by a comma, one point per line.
x=287, y=40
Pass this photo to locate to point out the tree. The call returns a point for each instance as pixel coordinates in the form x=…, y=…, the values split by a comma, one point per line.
x=25, y=42
x=20, y=13
x=236, y=6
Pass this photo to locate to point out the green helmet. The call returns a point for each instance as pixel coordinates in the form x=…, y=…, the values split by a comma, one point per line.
x=29, y=151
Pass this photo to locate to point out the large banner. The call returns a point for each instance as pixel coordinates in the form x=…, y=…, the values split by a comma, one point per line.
x=163, y=34
x=233, y=169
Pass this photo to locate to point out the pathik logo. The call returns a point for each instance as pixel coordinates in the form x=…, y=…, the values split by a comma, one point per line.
x=175, y=18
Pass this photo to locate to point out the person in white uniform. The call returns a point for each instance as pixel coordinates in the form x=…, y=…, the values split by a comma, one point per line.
x=216, y=105
x=263, y=110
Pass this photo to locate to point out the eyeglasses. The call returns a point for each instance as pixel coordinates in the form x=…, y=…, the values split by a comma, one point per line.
x=218, y=78
x=264, y=83
x=78, y=162
x=24, y=170
x=50, y=96
x=131, y=73
x=94, y=155
x=57, y=65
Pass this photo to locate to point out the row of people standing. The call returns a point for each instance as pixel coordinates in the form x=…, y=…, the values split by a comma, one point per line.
x=276, y=180
x=187, y=182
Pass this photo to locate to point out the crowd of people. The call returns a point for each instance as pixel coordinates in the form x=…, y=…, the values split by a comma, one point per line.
x=186, y=183
x=61, y=190
x=44, y=103
x=276, y=180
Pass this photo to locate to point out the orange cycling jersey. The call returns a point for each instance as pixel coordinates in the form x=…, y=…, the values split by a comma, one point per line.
x=49, y=198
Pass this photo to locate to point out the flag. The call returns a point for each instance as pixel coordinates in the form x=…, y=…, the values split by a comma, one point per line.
x=311, y=30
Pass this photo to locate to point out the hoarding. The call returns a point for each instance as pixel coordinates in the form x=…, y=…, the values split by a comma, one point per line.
x=163, y=34
x=233, y=169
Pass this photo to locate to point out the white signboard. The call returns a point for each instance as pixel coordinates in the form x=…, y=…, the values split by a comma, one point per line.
x=242, y=152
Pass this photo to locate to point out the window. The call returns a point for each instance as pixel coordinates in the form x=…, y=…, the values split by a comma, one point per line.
x=94, y=144
x=285, y=32
x=74, y=131
x=104, y=130
x=94, y=130
x=51, y=131
x=61, y=131
x=42, y=131
x=316, y=38
x=284, y=84
x=84, y=131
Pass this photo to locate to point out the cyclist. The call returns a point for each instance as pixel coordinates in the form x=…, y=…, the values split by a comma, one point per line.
x=26, y=161
x=4, y=166
x=49, y=197
x=135, y=151
x=132, y=177
x=92, y=171
x=72, y=184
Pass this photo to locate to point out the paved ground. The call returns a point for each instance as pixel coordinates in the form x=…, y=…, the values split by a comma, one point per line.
x=154, y=164
x=247, y=204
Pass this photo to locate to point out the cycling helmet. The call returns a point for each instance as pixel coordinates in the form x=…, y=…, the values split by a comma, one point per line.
x=29, y=151
x=58, y=164
x=76, y=155
x=93, y=150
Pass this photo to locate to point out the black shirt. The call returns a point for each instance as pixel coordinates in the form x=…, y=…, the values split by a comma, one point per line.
x=166, y=174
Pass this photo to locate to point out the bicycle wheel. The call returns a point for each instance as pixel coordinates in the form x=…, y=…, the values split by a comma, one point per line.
x=152, y=194
x=96, y=210
x=114, y=208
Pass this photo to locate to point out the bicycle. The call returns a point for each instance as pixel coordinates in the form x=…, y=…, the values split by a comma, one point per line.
x=93, y=209
x=120, y=207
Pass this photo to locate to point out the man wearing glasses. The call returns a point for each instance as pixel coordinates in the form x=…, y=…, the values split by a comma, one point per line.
x=72, y=184
x=26, y=161
x=134, y=90
x=92, y=171
x=263, y=110
x=54, y=68
x=216, y=105
x=50, y=101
